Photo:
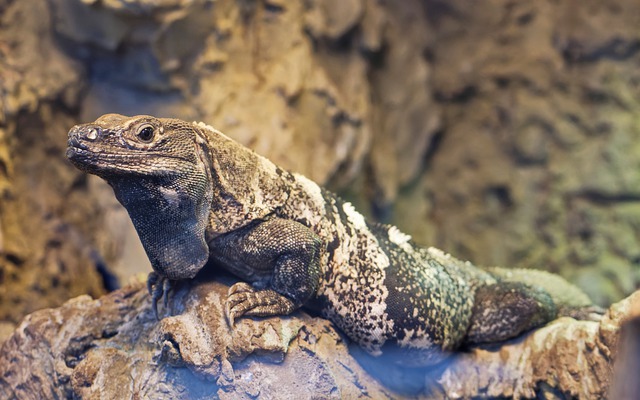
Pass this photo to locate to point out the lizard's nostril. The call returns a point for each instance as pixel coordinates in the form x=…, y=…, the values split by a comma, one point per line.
x=80, y=133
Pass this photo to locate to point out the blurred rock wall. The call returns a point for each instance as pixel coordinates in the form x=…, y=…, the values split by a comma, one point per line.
x=539, y=162
x=503, y=131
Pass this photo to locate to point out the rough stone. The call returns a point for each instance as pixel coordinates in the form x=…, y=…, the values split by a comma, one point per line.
x=504, y=133
x=113, y=347
x=42, y=255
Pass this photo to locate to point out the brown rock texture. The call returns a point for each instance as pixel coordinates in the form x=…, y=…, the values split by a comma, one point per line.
x=565, y=359
x=44, y=239
x=113, y=347
x=625, y=384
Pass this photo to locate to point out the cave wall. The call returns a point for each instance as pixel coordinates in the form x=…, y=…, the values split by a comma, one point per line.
x=505, y=132
x=539, y=161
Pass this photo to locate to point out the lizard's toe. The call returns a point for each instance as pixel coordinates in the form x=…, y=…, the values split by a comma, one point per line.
x=240, y=287
x=244, y=300
x=590, y=313
x=167, y=285
x=152, y=281
x=236, y=304
x=159, y=288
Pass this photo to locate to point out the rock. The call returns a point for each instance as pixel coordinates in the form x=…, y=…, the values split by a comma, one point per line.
x=113, y=347
x=572, y=359
x=44, y=252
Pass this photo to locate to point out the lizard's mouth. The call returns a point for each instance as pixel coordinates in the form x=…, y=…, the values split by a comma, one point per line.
x=97, y=160
x=88, y=155
x=79, y=154
x=83, y=155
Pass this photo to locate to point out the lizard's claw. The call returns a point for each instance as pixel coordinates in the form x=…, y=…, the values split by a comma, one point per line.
x=243, y=299
x=590, y=313
x=159, y=288
x=235, y=296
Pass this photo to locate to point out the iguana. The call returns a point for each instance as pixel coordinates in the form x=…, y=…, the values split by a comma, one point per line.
x=195, y=195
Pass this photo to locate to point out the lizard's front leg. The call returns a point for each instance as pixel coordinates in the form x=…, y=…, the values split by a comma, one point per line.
x=279, y=257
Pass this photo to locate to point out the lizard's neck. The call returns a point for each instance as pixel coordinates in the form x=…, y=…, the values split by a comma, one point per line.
x=170, y=218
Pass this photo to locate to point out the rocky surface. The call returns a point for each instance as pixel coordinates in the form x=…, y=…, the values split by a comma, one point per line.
x=113, y=347
x=504, y=132
x=625, y=384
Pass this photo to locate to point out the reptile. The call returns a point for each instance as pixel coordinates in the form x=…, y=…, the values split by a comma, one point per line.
x=197, y=197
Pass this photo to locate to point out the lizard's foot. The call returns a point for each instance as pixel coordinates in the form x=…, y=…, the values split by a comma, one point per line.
x=159, y=288
x=244, y=300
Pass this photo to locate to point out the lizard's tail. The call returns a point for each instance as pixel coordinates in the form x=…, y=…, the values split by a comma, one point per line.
x=570, y=300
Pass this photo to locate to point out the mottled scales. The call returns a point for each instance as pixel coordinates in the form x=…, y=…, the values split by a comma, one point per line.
x=195, y=195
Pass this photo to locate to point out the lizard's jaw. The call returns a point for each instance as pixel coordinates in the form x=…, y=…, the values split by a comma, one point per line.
x=87, y=160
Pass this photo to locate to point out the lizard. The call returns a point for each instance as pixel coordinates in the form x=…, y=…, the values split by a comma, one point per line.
x=196, y=197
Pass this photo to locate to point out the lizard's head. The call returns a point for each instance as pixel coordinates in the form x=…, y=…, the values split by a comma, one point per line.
x=116, y=145
x=160, y=171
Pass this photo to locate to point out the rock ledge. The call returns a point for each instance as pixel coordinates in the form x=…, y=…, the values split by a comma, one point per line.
x=113, y=347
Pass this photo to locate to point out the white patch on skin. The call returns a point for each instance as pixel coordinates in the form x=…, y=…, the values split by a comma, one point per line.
x=266, y=165
x=210, y=128
x=400, y=238
x=170, y=195
x=354, y=216
x=438, y=254
x=417, y=339
x=357, y=275
x=311, y=188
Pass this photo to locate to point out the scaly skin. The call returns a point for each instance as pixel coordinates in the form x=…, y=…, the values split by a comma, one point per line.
x=195, y=195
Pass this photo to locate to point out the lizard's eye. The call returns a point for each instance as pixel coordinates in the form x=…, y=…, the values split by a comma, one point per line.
x=146, y=133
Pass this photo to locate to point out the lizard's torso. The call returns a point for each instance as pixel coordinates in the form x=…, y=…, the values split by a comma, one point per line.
x=378, y=286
